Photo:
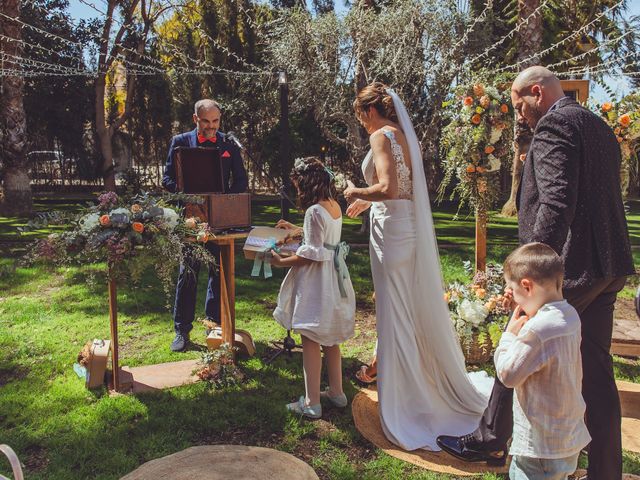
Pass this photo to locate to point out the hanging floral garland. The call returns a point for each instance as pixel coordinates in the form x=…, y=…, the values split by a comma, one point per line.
x=477, y=141
x=624, y=119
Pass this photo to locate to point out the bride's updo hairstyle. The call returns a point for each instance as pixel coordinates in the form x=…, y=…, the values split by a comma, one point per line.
x=313, y=182
x=375, y=96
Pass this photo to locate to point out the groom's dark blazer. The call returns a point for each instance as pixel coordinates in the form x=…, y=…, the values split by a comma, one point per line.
x=234, y=176
x=570, y=197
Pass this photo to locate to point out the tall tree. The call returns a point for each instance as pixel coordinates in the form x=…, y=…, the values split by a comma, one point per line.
x=15, y=175
x=124, y=48
x=59, y=108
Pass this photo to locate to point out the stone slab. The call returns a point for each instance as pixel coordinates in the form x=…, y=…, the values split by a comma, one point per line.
x=225, y=462
x=163, y=375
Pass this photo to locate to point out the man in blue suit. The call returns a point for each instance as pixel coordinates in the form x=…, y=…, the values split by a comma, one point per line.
x=207, y=119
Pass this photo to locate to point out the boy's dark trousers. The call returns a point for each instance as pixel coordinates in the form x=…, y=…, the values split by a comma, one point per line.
x=595, y=305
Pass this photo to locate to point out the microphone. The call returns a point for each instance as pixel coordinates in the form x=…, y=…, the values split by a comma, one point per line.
x=235, y=140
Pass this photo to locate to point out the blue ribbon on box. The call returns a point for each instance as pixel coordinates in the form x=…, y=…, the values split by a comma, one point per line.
x=340, y=264
x=264, y=258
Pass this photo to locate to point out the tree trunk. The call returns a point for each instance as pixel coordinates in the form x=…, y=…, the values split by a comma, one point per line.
x=530, y=36
x=529, y=43
x=521, y=139
x=105, y=139
x=18, y=198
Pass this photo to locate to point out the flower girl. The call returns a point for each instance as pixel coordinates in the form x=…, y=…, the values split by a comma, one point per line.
x=316, y=298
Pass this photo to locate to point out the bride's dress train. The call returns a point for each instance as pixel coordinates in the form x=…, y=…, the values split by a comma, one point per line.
x=423, y=388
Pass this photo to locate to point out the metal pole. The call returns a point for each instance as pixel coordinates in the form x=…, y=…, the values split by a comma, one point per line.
x=285, y=143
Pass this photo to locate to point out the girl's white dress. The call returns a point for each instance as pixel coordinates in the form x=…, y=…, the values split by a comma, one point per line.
x=310, y=302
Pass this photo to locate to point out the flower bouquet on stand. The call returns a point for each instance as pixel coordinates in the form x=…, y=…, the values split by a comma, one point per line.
x=477, y=312
x=129, y=235
x=126, y=236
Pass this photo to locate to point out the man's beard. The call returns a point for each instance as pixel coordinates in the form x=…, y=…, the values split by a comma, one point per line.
x=537, y=114
x=209, y=133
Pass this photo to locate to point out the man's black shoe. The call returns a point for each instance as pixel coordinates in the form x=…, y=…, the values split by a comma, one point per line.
x=463, y=449
x=180, y=342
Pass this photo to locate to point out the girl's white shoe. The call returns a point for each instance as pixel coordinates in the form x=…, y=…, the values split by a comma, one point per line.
x=338, y=401
x=310, y=411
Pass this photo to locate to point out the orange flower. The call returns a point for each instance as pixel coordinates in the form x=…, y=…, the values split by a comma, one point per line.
x=617, y=130
x=478, y=90
x=504, y=108
x=446, y=297
x=523, y=157
x=481, y=169
x=476, y=119
x=624, y=120
x=471, y=168
x=481, y=292
x=136, y=208
x=485, y=101
x=105, y=221
x=620, y=139
x=489, y=149
x=468, y=101
x=607, y=106
x=137, y=227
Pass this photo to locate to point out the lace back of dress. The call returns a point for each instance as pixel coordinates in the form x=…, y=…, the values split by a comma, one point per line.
x=405, y=188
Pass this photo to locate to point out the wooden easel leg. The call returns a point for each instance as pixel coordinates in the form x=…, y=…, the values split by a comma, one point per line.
x=113, y=320
x=481, y=239
x=227, y=293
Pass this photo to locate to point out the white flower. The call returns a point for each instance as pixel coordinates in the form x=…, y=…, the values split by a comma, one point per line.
x=171, y=217
x=472, y=312
x=341, y=182
x=494, y=163
x=89, y=222
x=492, y=91
x=123, y=211
x=496, y=133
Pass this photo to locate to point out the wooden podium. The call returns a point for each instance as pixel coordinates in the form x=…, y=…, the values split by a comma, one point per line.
x=174, y=374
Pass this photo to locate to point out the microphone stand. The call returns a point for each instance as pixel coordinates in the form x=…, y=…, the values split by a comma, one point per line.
x=281, y=191
x=288, y=344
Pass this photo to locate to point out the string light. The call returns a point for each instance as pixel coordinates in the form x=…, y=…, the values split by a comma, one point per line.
x=515, y=30
x=478, y=19
x=561, y=42
x=582, y=55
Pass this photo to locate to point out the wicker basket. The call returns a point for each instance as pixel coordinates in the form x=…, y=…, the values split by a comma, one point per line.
x=476, y=352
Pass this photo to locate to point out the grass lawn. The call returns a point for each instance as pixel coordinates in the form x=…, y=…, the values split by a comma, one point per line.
x=62, y=431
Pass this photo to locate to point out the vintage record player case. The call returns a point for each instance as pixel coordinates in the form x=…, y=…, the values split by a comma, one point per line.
x=199, y=172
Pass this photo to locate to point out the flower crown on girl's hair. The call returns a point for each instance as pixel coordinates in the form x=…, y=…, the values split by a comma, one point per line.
x=301, y=165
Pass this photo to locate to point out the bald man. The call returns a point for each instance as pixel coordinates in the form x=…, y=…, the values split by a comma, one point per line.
x=570, y=199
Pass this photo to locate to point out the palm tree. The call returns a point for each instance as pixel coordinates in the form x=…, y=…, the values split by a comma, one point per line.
x=15, y=176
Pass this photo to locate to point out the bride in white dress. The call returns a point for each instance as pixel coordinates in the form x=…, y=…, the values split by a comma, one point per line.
x=423, y=387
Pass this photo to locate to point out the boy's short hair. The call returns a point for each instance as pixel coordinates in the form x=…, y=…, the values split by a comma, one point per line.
x=536, y=261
